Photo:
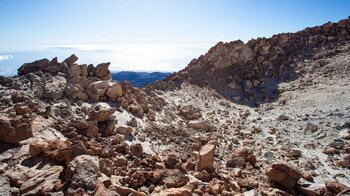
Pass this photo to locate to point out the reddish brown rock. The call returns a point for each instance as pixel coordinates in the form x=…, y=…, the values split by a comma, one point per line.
x=136, y=150
x=43, y=65
x=101, y=112
x=313, y=189
x=284, y=174
x=71, y=60
x=106, y=166
x=82, y=175
x=102, y=71
x=114, y=91
x=206, y=157
x=15, y=130
x=334, y=188
x=175, y=178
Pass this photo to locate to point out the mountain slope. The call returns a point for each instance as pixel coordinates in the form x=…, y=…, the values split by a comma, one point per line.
x=249, y=72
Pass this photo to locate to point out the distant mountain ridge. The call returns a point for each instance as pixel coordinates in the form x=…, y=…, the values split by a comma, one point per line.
x=139, y=79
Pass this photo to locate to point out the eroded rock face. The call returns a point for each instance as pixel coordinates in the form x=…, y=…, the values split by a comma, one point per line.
x=44, y=181
x=238, y=69
x=15, y=130
x=82, y=173
x=284, y=174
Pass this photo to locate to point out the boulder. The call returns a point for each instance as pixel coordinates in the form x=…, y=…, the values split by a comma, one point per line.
x=43, y=65
x=174, y=178
x=73, y=92
x=93, y=93
x=120, y=161
x=102, y=71
x=313, y=189
x=124, y=130
x=170, y=161
x=107, y=166
x=101, y=87
x=82, y=175
x=73, y=70
x=335, y=188
x=236, y=162
x=136, y=150
x=239, y=153
x=284, y=174
x=101, y=112
x=15, y=130
x=206, y=157
x=86, y=128
x=71, y=60
x=114, y=91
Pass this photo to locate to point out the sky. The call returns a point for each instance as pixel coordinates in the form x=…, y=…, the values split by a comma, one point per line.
x=146, y=35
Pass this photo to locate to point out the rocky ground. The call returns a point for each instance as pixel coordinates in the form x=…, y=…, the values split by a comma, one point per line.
x=68, y=129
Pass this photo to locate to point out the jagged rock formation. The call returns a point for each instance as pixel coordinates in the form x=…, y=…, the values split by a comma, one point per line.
x=249, y=72
x=68, y=129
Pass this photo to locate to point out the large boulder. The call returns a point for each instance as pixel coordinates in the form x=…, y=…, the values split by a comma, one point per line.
x=71, y=60
x=43, y=65
x=101, y=86
x=206, y=157
x=97, y=89
x=15, y=130
x=102, y=71
x=114, y=91
x=284, y=174
x=82, y=174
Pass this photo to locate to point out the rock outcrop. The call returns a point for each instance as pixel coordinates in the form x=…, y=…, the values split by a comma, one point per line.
x=248, y=73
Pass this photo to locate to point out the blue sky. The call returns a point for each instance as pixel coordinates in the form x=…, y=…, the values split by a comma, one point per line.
x=147, y=34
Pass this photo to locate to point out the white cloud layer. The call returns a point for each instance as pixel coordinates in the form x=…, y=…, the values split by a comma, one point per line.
x=5, y=57
x=142, y=56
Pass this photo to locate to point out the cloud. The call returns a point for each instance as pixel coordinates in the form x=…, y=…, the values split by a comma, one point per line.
x=5, y=57
x=160, y=55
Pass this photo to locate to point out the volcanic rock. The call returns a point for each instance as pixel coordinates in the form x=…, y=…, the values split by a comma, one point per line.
x=101, y=112
x=15, y=130
x=114, y=91
x=284, y=174
x=206, y=157
x=103, y=72
x=82, y=174
x=43, y=65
